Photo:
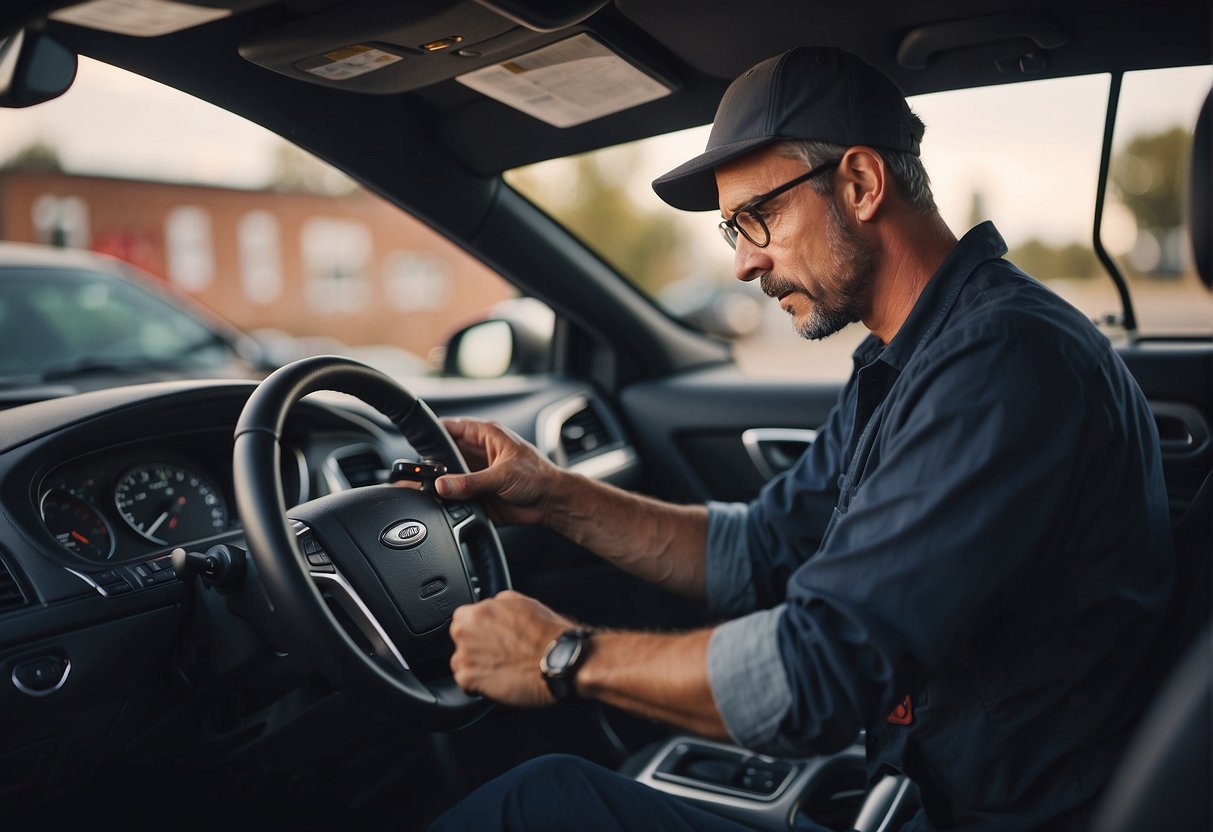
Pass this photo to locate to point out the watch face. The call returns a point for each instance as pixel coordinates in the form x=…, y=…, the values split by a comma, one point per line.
x=562, y=653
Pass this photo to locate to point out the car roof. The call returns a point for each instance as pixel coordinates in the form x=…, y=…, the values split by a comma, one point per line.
x=694, y=46
x=31, y=255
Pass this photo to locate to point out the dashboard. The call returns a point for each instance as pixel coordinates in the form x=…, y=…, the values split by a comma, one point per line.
x=99, y=488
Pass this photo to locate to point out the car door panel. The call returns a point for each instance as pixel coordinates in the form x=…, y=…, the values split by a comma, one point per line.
x=1178, y=382
x=690, y=430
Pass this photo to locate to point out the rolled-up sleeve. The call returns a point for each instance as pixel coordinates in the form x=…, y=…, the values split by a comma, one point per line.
x=747, y=678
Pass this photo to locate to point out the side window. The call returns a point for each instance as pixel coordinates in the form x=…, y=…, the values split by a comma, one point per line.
x=272, y=239
x=1146, y=218
x=1024, y=156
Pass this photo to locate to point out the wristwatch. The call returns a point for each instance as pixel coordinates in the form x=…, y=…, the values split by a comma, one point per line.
x=561, y=660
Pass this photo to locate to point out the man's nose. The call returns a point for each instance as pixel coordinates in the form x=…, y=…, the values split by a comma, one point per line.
x=749, y=261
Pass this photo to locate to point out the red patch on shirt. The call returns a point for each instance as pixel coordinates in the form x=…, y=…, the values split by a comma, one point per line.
x=903, y=714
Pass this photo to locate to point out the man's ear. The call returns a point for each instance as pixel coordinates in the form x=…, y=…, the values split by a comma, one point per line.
x=866, y=180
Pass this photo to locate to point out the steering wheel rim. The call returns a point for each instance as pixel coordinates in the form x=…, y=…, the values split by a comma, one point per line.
x=290, y=582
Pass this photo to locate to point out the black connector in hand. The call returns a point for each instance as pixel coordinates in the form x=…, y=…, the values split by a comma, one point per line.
x=422, y=472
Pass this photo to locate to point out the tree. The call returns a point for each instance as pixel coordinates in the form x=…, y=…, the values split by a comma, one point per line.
x=1046, y=262
x=643, y=244
x=1148, y=176
x=37, y=156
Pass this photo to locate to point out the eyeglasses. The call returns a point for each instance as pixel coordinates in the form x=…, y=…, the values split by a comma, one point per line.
x=748, y=220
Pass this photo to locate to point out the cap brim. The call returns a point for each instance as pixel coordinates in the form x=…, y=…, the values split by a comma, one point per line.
x=692, y=186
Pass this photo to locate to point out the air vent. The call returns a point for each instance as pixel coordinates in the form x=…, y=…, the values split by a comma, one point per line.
x=365, y=468
x=11, y=596
x=354, y=467
x=583, y=434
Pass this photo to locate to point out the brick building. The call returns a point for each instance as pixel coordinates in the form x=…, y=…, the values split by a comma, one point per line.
x=351, y=267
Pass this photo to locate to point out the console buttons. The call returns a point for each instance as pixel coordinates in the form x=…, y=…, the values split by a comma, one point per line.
x=318, y=559
x=761, y=780
x=163, y=576
x=111, y=582
x=458, y=511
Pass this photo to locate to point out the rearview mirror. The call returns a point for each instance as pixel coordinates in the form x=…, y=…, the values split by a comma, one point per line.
x=34, y=68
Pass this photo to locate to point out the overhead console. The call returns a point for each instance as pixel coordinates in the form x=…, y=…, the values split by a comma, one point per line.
x=391, y=47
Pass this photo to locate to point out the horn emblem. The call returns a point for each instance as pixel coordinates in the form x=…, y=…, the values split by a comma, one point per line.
x=404, y=535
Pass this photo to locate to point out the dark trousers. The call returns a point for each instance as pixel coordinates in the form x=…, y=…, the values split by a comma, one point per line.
x=560, y=793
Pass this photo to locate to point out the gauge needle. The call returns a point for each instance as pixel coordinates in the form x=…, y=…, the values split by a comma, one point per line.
x=152, y=529
x=80, y=537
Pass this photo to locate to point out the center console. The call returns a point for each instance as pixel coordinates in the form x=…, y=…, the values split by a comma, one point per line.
x=760, y=791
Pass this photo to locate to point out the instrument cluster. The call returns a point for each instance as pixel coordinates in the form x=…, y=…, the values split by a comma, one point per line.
x=133, y=501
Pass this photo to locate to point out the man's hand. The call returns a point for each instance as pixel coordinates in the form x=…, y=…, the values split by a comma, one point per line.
x=516, y=479
x=498, y=645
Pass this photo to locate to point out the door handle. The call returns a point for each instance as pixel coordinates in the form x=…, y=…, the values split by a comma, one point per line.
x=774, y=450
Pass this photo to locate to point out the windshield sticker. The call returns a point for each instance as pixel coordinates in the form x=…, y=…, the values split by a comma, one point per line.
x=567, y=83
x=352, y=61
x=144, y=18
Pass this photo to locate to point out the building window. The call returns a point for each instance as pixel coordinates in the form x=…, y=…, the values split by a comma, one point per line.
x=61, y=221
x=191, y=259
x=416, y=281
x=260, y=256
x=336, y=263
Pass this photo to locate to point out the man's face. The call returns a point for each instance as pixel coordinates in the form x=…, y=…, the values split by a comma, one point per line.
x=815, y=265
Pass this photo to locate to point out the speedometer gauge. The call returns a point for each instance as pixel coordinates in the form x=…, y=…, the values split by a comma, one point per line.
x=77, y=526
x=169, y=504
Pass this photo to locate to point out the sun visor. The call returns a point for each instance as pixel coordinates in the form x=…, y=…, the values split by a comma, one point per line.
x=568, y=83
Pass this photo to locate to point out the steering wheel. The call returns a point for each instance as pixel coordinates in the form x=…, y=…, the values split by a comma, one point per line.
x=366, y=579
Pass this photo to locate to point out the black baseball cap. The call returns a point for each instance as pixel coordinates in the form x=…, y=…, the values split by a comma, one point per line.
x=811, y=92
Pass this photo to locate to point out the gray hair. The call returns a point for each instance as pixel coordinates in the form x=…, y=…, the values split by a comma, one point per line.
x=906, y=169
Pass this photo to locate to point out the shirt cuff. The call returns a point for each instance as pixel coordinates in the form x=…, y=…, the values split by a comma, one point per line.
x=730, y=572
x=745, y=672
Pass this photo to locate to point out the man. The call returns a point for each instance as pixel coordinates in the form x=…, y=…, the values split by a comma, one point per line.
x=971, y=562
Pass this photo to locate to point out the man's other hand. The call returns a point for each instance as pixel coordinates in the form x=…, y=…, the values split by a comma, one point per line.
x=498, y=645
x=516, y=479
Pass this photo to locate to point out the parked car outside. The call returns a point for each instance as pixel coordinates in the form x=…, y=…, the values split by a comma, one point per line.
x=77, y=321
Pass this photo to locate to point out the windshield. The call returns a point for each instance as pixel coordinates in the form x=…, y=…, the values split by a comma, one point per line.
x=1025, y=156
x=216, y=209
x=57, y=321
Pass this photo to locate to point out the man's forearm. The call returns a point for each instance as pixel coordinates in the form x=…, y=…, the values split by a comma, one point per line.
x=662, y=676
x=660, y=542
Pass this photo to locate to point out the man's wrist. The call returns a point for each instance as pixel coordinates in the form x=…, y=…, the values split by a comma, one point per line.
x=568, y=505
x=562, y=659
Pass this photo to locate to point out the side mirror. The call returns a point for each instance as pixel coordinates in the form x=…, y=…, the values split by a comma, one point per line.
x=34, y=68
x=496, y=348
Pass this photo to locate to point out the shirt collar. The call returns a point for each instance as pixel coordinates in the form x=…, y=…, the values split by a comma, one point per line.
x=982, y=244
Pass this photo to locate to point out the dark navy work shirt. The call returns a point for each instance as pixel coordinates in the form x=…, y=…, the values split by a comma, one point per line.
x=972, y=561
